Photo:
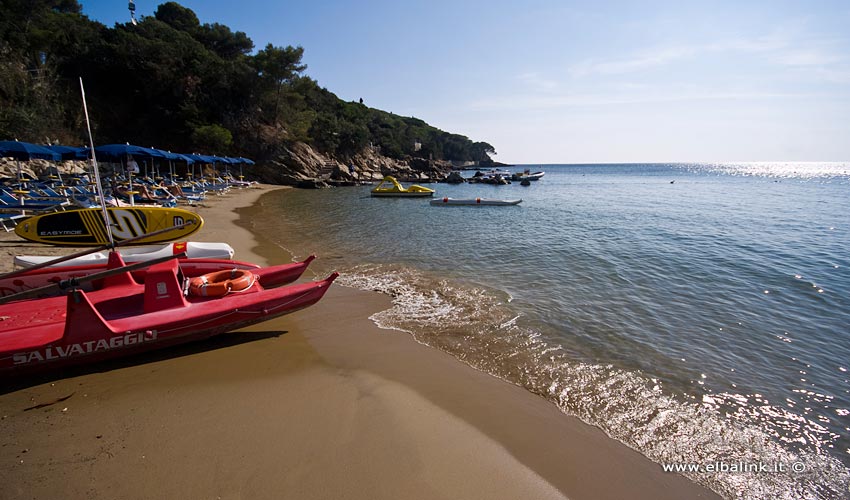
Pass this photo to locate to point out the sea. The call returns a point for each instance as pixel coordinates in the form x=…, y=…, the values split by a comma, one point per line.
x=697, y=312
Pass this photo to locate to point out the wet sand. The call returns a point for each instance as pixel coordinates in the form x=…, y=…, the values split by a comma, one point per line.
x=317, y=404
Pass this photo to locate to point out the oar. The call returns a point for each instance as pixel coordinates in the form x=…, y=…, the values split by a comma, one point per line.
x=75, y=282
x=93, y=250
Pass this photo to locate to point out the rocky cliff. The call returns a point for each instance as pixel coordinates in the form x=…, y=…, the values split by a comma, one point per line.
x=297, y=165
x=300, y=165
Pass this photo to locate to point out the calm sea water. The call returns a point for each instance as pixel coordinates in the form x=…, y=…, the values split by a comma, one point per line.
x=699, y=313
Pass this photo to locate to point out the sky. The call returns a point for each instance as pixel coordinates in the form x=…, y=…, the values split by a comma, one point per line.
x=559, y=81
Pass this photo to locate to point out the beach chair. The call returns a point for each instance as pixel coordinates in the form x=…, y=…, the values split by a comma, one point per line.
x=9, y=221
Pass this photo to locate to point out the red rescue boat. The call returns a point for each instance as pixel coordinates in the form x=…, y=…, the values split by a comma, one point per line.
x=124, y=316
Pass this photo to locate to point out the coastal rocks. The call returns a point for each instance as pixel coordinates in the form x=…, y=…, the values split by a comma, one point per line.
x=495, y=179
x=432, y=168
x=371, y=165
x=34, y=169
x=299, y=165
x=454, y=178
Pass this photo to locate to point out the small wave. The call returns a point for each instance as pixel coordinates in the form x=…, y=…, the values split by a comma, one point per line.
x=479, y=327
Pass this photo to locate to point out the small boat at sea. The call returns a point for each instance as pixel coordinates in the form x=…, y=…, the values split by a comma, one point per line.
x=125, y=317
x=30, y=279
x=527, y=175
x=474, y=201
x=390, y=187
x=494, y=171
x=193, y=250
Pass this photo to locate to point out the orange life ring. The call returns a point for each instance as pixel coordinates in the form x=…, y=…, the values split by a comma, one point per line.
x=220, y=283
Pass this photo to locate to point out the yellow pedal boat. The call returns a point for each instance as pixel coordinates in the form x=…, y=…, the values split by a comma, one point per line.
x=391, y=187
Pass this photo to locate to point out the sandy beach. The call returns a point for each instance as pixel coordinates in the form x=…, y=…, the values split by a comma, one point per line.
x=318, y=404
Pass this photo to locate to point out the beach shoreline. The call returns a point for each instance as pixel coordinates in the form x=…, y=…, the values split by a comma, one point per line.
x=318, y=404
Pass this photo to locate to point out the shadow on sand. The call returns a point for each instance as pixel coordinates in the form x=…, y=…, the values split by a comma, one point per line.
x=12, y=382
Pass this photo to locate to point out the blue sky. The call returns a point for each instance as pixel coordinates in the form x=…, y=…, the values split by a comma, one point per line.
x=572, y=82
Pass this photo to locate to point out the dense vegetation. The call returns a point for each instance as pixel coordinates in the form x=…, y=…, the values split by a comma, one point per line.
x=174, y=83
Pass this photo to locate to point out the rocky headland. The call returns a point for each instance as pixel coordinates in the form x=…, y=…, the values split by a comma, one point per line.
x=298, y=165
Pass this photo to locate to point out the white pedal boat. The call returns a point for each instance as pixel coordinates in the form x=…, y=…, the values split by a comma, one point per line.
x=474, y=201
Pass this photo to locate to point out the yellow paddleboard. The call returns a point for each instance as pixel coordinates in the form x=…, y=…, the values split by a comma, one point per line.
x=85, y=227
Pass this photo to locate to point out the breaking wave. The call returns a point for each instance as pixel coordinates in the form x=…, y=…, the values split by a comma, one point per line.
x=480, y=327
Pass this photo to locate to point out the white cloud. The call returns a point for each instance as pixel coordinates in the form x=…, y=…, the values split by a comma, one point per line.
x=808, y=57
x=551, y=102
x=781, y=50
x=537, y=82
x=658, y=57
x=839, y=76
x=766, y=43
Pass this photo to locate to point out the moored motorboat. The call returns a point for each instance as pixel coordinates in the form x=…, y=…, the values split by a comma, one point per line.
x=390, y=187
x=193, y=249
x=124, y=317
x=493, y=171
x=527, y=175
x=474, y=201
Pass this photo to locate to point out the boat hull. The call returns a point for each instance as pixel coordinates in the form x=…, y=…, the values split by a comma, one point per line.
x=474, y=202
x=396, y=190
x=536, y=176
x=397, y=194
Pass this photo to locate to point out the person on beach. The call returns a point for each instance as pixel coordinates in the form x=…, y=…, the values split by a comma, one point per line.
x=132, y=166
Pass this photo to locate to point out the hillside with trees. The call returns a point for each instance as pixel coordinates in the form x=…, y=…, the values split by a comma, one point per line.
x=177, y=84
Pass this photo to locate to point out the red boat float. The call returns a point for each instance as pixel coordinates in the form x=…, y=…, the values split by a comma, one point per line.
x=28, y=279
x=124, y=316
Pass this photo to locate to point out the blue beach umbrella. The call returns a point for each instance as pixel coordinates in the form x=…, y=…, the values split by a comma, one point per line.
x=172, y=157
x=26, y=151
x=121, y=151
x=84, y=153
x=201, y=159
x=169, y=155
x=189, y=161
x=185, y=158
x=67, y=152
x=226, y=160
x=243, y=161
x=216, y=159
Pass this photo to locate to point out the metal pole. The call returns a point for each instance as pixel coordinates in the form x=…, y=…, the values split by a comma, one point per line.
x=106, y=223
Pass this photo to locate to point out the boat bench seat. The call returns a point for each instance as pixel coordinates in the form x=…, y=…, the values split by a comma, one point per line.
x=162, y=287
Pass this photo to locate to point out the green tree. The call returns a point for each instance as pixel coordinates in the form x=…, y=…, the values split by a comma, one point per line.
x=277, y=66
x=174, y=83
x=212, y=138
x=225, y=43
x=178, y=17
